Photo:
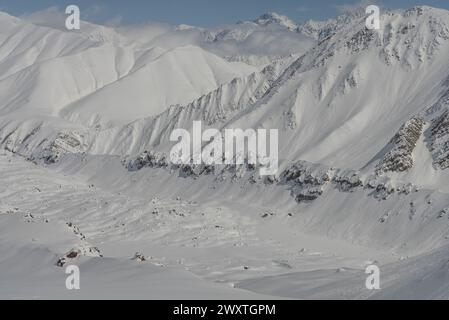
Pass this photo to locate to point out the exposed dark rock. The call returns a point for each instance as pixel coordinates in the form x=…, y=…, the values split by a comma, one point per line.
x=400, y=158
x=139, y=257
x=440, y=140
x=348, y=183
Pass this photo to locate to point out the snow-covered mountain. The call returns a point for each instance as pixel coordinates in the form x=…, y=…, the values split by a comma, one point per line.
x=55, y=69
x=273, y=18
x=363, y=119
x=259, y=42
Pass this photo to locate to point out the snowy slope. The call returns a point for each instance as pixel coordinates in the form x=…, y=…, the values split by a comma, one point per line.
x=329, y=97
x=54, y=69
x=364, y=157
x=175, y=77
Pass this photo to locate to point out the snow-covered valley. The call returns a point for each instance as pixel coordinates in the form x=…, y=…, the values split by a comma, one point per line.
x=85, y=121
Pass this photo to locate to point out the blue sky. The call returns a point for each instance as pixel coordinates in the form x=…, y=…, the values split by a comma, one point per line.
x=200, y=12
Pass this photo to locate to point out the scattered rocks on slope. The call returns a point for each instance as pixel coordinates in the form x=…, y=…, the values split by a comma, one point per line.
x=150, y=159
x=139, y=257
x=75, y=253
x=443, y=213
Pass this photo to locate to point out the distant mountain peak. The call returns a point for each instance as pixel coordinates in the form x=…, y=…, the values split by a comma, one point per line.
x=271, y=18
x=322, y=29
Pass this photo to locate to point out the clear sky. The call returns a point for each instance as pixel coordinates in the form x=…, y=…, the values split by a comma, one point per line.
x=201, y=12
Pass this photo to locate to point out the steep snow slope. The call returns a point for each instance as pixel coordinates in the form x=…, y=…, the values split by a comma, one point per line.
x=45, y=70
x=331, y=96
x=214, y=108
x=53, y=18
x=23, y=44
x=328, y=104
x=175, y=77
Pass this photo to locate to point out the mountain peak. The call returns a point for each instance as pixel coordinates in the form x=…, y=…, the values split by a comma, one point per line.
x=320, y=30
x=270, y=18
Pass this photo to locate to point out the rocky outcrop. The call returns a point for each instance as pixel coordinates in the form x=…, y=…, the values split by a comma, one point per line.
x=400, y=158
x=307, y=181
x=348, y=182
x=440, y=140
x=75, y=253
x=150, y=159
x=361, y=40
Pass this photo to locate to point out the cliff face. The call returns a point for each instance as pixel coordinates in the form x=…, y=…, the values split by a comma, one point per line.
x=440, y=140
x=400, y=157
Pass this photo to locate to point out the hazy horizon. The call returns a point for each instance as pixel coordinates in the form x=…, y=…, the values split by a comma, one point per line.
x=201, y=13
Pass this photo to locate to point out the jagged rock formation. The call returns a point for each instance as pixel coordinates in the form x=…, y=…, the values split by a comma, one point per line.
x=308, y=181
x=440, y=140
x=348, y=182
x=400, y=158
x=271, y=18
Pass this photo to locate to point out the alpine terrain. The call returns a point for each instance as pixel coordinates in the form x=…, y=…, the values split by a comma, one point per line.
x=363, y=179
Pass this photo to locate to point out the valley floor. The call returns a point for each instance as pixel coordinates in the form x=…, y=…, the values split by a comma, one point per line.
x=192, y=250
